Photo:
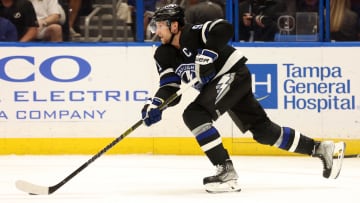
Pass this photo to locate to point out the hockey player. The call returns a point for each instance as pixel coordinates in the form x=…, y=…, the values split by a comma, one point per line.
x=201, y=52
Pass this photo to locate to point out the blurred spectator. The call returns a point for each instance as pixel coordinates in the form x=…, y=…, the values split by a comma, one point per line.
x=77, y=8
x=290, y=7
x=74, y=8
x=62, y=14
x=258, y=19
x=307, y=20
x=64, y=19
x=307, y=6
x=343, y=21
x=355, y=6
x=22, y=14
x=48, y=16
x=8, y=31
x=149, y=9
x=222, y=4
x=200, y=11
x=123, y=11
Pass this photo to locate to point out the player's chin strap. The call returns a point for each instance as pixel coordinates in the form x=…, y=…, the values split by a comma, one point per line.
x=172, y=37
x=172, y=34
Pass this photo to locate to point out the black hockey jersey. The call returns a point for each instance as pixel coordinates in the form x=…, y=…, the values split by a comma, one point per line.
x=178, y=65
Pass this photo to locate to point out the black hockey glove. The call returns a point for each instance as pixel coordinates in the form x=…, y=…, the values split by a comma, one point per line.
x=151, y=113
x=204, y=67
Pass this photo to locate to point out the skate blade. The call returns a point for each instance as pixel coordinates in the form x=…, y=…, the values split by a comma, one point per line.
x=338, y=157
x=229, y=186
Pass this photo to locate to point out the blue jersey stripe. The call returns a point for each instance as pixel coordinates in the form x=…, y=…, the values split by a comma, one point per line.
x=167, y=80
x=286, y=138
x=206, y=134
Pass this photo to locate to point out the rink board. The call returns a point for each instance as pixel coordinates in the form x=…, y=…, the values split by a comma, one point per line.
x=130, y=145
x=76, y=98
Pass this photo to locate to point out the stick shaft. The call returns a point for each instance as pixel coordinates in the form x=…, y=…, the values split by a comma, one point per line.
x=352, y=156
x=118, y=139
x=101, y=152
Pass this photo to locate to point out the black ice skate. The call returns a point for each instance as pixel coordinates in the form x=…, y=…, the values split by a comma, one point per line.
x=331, y=154
x=225, y=179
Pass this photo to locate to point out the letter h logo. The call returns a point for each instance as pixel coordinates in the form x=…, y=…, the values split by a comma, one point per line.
x=264, y=84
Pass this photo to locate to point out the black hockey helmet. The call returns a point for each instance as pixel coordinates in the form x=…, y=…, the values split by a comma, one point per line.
x=170, y=12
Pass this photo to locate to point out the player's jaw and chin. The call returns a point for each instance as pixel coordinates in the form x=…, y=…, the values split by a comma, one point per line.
x=164, y=37
x=163, y=32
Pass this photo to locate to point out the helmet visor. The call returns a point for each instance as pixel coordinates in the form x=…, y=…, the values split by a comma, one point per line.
x=158, y=25
x=152, y=26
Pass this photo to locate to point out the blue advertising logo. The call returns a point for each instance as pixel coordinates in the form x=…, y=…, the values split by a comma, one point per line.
x=45, y=68
x=264, y=84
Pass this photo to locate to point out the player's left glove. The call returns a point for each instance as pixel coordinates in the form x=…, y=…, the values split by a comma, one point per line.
x=204, y=67
x=151, y=113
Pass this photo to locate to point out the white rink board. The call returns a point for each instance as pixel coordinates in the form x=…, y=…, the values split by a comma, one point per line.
x=111, y=83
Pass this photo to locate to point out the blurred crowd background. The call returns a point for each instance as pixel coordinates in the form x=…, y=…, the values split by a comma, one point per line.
x=128, y=20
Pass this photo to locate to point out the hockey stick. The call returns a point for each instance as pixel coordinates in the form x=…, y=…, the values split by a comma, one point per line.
x=34, y=189
x=352, y=156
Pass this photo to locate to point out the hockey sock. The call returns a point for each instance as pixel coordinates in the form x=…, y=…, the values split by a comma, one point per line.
x=210, y=142
x=293, y=141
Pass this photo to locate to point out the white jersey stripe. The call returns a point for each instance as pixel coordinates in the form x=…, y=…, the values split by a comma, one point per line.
x=168, y=70
x=232, y=60
x=211, y=144
x=203, y=34
x=214, y=23
x=278, y=142
x=295, y=142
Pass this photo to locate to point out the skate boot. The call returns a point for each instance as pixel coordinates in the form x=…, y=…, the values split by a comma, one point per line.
x=225, y=179
x=331, y=154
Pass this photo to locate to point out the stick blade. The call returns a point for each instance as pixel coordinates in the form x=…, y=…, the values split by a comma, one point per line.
x=31, y=189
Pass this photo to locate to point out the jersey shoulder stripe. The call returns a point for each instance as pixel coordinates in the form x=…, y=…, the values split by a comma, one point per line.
x=207, y=28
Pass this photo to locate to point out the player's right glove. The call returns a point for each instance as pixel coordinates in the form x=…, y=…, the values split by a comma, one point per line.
x=151, y=113
x=204, y=67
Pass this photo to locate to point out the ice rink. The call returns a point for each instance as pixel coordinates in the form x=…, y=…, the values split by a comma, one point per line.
x=169, y=179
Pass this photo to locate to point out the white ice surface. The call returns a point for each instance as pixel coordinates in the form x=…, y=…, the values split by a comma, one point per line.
x=176, y=179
